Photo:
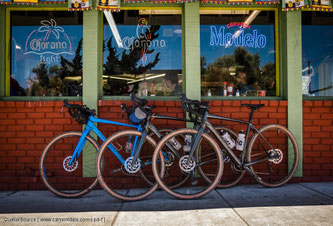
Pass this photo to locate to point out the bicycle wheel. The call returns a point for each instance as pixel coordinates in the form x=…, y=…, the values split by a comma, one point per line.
x=61, y=178
x=212, y=165
x=231, y=175
x=181, y=178
x=123, y=180
x=276, y=150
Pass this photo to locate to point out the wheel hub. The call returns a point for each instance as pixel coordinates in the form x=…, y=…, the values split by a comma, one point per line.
x=275, y=156
x=72, y=167
x=187, y=165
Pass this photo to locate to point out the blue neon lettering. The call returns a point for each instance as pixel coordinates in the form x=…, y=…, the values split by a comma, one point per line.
x=218, y=37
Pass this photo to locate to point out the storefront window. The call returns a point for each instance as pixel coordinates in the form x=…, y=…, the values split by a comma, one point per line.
x=237, y=53
x=46, y=53
x=142, y=53
x=317, y=53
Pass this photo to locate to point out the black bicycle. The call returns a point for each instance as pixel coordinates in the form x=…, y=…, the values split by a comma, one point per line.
x=137, y=148
x=270, y=156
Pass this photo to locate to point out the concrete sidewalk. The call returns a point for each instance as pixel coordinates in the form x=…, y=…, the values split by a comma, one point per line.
x=292, y=204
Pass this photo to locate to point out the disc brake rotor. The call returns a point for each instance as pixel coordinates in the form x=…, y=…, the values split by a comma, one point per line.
x=72, y=167
x=275, y=156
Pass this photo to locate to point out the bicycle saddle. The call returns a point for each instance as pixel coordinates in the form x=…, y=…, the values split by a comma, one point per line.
x=253, y=106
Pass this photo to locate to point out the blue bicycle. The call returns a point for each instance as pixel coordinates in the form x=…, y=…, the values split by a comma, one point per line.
x=66, y=163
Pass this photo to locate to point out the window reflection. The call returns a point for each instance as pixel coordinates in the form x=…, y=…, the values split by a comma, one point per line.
x=142, y=53
x=237, y=53
x=317, y=56
x=46, y=53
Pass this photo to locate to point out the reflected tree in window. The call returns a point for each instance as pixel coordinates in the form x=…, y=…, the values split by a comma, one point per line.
x=128, y=62
x=65, y=79
x=242, y=69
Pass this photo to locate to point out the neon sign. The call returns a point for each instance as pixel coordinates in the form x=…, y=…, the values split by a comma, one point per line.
x=142, y=40
x=48, y=41
x=252, y=39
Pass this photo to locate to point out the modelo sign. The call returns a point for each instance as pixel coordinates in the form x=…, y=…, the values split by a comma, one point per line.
x=219, y=36
x=48, y=41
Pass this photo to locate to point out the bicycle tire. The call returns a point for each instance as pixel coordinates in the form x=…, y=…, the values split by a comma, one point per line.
x=151, y=179
x=231, y=175
x=120, y=182
x=282, y=161
x=54, y=171
x=215, y=164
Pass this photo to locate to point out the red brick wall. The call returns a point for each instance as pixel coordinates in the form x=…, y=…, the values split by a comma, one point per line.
x=318, y=140
x=26, y=127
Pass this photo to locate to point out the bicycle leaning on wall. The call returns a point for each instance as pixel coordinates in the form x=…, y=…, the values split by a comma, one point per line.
x=270, y=156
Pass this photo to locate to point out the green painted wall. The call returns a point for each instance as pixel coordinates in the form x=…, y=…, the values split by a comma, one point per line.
x=291, y=39
x=92, y=69
x=2, y=51
x=191, y=50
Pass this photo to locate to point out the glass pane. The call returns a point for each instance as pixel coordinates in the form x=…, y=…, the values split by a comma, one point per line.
x=46, y=53
x=142, y=53
x=317, y=53
x=237, y=50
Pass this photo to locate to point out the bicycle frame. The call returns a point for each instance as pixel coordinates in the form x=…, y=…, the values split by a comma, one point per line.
x=240, y=163
x=91, y=127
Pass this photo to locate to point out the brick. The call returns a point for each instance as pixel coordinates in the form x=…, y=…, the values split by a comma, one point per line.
x=8, y=147
x=311, y=128
x=216, y=103
x=10, y=104
x=318, y=103
x=327, y=116
x=16, y=115
x=169, y=103
x=307, y=122
x=277, y=115
x=307, y=103
x=273, y=103
x=7, y=122
x=328, y=103
x=27, y=146
x=311, y=116
x=25, y=110
x=27, y=159
x=62, y=121
x=53, y=127
x=321, y=147
x=268, y=109
x=322, y=122
x=236, y=103
x=17, y=153
x=43, y=121
x=15, y=128
x=36, y=115
x=53, y=115
x=321, y=110
x=36, y=140
x=8, y=110
x=321, y=135
x=327, y=128
x=226, y=103
x=230, y=109
x=283, y=103
x=268, y=121
x=311, y=141
x=24, y=121
x=44, y=109
x=327, y=154
x=35, y=127
x=240, y=115
x=45, y=133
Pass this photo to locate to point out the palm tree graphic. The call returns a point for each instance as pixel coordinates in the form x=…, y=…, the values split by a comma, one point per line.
x=50, y=27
